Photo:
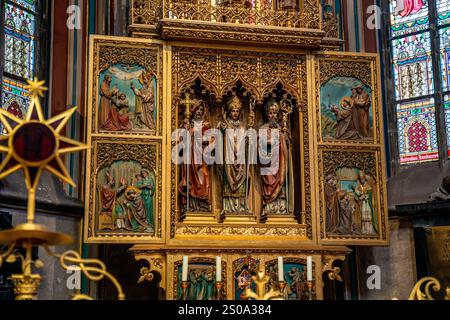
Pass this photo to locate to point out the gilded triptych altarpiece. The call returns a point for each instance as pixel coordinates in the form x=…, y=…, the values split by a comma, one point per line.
x=332, y=191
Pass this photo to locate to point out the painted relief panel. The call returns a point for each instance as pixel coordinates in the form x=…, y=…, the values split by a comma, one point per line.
x=125, y=184
x=352, y=196
x=243, y=271
x=352, y=178
x=346, y=110
x=239, y=266
x=124, y=165
x=295, y=277
x=127, y=99
x=349, y=101
x=201, y=280
x=127, y=85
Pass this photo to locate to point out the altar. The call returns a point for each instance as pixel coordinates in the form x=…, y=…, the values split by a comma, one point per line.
x=186, y=118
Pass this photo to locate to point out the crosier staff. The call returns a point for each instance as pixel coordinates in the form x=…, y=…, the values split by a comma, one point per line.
x=187, y=117
x=286, y=109
x=251, y=124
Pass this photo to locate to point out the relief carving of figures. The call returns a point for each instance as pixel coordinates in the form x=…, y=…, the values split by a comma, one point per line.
x=294, y=277
x=364, y=199
x=145, y=102
x=106, y=94
x=346, y=120
x=276, y=181
x=235, y=171
x=201, y=278
x=108, y=195
x=362, y=104
x=332, y=204
x=130, y=104
x=195, y=184
x=349, y=200
x=346, y=110
x=126, y=206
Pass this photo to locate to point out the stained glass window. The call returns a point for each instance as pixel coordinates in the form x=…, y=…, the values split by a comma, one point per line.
x=408, y=16
x=415, y=99
x=417, y=131
x=412, y=66
x=19, y=58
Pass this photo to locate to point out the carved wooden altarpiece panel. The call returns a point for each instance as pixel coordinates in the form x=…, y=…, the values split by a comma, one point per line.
x=124, y=169
x=351, y=162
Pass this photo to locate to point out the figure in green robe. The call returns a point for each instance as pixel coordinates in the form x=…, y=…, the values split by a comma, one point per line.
x=146, y=184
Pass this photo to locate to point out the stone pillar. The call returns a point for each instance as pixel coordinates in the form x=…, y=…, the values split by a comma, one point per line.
x=396, y=262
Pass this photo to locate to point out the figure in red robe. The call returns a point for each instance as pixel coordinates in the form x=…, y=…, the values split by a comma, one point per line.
x=409, y=6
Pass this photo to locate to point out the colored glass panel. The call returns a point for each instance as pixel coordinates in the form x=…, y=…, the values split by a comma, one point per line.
x=413, y=73
x=443, y=8
x=417, y=131
x=27, y=4
x=15, y=98
x=444, y=35
x=20, y=31
x=408, y=16
x=447, y=119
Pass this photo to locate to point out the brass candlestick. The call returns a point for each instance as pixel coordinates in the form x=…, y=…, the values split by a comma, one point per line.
x=184, y=287
x=21, y=154
x=219, y=293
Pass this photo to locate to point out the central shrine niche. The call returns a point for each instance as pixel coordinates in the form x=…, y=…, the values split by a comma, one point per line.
x=247, y=100
x=240, y=179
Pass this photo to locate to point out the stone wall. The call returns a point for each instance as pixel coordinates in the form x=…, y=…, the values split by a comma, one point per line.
x=397, y=264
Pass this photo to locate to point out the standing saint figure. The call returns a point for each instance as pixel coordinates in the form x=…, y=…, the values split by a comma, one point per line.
x=195, y=183
x=108, y=198
x=234, y=190
x=361, y=100
x=363, y=196
x=346, y=211
x=347, y=128
x=275, y=183
x=145, y=102
x=106, y=94
x=146, y=184
x=331, y=202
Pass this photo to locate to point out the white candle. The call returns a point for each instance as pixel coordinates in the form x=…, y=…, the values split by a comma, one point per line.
x=218, y=269
x=184, y=274
x=309, y=268
x=280, y=270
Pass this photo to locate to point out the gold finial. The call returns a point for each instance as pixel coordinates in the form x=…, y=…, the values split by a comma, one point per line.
x=36, y=87
x=261, y=280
